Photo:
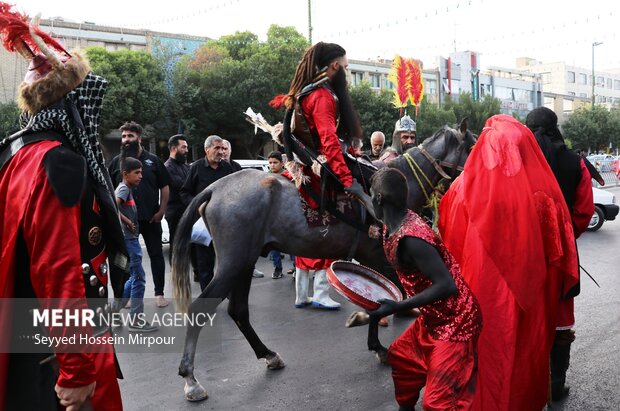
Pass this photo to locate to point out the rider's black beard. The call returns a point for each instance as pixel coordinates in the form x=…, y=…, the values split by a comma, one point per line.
x=130, y=149
x=349, y=126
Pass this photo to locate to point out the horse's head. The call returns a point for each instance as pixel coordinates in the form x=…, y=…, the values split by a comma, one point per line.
x=449, y=148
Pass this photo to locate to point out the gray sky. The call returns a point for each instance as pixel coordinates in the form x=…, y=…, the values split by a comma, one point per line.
x=547, y=30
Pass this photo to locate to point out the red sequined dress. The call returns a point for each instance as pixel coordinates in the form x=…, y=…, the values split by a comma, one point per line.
x=439, y=351
x=456, y=318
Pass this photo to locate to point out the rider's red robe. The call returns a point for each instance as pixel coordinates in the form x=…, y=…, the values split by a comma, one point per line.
x=507, y=224
x=51, y=231
x=320, y=111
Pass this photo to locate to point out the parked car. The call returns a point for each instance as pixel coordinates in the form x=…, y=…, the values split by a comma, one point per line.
x=605, y=208
x=257, y=164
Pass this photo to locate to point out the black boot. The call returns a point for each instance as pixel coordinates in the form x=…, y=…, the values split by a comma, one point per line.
x=560, y=360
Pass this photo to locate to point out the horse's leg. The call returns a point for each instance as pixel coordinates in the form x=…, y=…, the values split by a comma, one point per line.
x=239, y=312
x=373, y=340
x=218, y=288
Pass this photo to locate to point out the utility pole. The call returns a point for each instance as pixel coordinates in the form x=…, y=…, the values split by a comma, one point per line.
x=310, y=21
x=596, y=43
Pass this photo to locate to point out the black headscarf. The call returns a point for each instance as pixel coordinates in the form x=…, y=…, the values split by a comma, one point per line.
x=543, y=122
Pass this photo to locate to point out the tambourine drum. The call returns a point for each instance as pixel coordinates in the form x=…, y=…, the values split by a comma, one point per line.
x=361, y=285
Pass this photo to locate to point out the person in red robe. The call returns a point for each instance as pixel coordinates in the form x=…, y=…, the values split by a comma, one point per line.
x=507, y=224
x=439, y=350
x=323, y=119
x=58, y=225
x=575, y=181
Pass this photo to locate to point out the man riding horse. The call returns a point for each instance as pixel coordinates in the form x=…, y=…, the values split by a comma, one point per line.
x=321, y=122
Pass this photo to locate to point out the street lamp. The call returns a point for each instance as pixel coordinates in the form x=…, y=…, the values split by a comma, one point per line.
x=596, y=43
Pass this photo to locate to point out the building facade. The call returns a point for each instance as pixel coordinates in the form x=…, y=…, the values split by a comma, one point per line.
x=568, y=87
x=82, y=35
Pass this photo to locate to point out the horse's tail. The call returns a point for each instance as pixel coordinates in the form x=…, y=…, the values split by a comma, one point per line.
x=181, y=251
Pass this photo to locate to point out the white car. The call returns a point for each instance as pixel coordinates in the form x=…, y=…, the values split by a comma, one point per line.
x=605, y=208
x=257, y=164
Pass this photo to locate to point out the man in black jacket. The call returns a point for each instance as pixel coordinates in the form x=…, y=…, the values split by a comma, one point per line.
x=178, y=169
x=202, y=173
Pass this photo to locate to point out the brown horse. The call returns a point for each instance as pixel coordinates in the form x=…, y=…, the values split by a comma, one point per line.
x=250, y=212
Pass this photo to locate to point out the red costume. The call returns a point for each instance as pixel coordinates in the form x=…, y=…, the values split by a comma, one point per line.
x=312, y=263
x=51, y=233
x=507, y=225
x=58, y=226
x=439, y=350
x=320, y=112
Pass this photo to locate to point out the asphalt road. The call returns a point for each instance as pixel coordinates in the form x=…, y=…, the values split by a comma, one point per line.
x=328, y=366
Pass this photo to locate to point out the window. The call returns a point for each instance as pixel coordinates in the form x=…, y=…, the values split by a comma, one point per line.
x=583, y=78
x=387, y=83
x=600, y=81
x=546, y=77
x=609, y=81
x=616, y=84
x=583, y=95
x=375, y=80
x=430, y=87
x=571, y=77
x=571, y=93
x=356, y=77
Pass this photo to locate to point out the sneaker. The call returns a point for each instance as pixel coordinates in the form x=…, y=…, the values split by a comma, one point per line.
x=258, y=274
x=277, y=273
x=290, y=271
x=142, y=326
x=160, y=301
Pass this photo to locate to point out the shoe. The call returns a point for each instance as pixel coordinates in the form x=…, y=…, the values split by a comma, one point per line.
x=302, y=280
x=291, y=271
x=321, y=297
x=142, y=326
x=160, y=301
x=126, y=306
x=257, y=274
x=383, y=322
x=277, y=273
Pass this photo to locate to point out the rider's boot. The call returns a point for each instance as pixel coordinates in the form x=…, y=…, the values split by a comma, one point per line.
x=321, y=292
x=302, y=279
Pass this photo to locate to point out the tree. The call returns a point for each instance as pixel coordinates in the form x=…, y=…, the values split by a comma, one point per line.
x=477, y=112
x=136, y=88
x=9, y=119
x=211, y=95
x=592, y=128
x=375, y=110
x=431, y=118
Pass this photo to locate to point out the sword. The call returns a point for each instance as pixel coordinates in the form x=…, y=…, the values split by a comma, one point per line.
x=592, y=278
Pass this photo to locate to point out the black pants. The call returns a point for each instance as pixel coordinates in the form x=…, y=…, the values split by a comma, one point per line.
x=205, y=257
x=151, y=233
x=173, y=222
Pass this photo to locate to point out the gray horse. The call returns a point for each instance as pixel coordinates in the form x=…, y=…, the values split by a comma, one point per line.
x=251, y=212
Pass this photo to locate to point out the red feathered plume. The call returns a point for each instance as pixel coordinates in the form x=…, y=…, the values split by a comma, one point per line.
x=15, y=33
x=416, y=83
x=398, y=76
x=278, y=101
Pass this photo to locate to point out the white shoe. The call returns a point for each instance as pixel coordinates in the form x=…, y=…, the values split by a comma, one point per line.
x=160, y=301
x=321, y=297
x=302, y=279
x=258, y=273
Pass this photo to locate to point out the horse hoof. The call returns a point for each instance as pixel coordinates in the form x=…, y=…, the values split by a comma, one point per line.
x=195, y=392
x=382, y=357
x=275, y=362
x=357, y=319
